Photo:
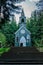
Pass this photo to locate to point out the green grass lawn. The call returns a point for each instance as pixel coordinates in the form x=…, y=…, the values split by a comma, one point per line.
x=2, y=50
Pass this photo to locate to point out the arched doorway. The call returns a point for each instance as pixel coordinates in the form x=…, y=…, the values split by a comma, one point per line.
x=22, y=42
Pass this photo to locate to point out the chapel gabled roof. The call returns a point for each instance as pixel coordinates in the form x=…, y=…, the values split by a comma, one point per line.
x=20, y=29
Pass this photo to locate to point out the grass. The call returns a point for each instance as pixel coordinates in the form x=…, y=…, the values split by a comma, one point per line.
x=2, y=50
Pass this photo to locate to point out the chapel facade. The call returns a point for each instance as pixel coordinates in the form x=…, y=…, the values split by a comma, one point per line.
x=22, y=35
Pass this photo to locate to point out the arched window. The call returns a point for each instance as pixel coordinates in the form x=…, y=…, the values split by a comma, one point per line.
x=22, y=20
x=28, y=36
x=17, y=39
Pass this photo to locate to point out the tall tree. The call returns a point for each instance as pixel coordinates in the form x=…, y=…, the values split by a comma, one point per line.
x=9, y=31
x=40, y=18
x=7, y=7
x=2, y=39
x=36, y=27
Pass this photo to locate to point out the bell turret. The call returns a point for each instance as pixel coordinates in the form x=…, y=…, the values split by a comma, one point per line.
x=22, y=20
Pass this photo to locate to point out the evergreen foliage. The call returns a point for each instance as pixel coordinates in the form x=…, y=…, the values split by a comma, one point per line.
x=9, y=30
x=2, y=39
x=36, y=28
x=7, y=8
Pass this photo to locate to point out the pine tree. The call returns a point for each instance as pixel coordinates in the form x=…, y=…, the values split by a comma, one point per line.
x=7, y=7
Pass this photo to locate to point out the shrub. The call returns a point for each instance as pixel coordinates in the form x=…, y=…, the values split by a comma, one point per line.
x=2, y=39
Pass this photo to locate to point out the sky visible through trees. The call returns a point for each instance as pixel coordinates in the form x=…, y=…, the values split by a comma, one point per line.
x=28, y=6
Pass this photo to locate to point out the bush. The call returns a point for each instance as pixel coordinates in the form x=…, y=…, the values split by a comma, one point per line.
x=2, y=39
x=3, y=50
x=9, y=30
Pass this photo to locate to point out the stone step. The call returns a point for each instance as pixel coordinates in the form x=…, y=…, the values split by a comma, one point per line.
x=28, y=54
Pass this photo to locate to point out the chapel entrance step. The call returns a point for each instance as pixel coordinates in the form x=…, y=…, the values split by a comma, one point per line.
x=25, y=54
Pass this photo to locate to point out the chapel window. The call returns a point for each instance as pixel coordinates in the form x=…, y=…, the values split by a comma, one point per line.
x=17, y=39
x=22, y=20
x=28, y=36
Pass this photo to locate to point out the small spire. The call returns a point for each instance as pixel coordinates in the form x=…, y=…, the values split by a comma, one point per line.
x=22, y=13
